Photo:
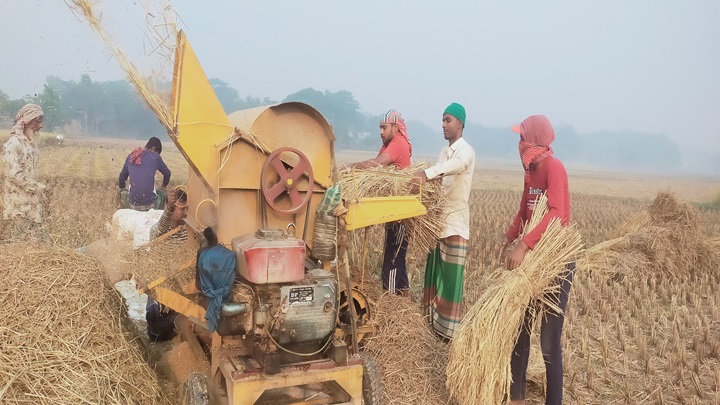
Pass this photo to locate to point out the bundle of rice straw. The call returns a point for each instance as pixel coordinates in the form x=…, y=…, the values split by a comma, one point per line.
x=478, y=370
x=60, y=337
x=385, y=181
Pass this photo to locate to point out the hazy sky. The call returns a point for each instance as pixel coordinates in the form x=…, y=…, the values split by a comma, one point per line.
x=650, y=65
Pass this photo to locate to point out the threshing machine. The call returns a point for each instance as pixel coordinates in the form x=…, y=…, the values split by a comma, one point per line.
x=257, y=177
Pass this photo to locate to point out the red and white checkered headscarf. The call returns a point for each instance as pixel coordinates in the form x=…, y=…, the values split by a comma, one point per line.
x=26, y=114
x=394, y=117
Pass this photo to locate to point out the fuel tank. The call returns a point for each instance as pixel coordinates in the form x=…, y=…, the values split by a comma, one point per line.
x=270, y=257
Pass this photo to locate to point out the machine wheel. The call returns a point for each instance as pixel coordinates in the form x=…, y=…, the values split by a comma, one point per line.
x=372, y=383
x=195, y=390
x=286, y=181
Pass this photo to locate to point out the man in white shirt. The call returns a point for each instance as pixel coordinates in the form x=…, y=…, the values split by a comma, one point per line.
x=445, y=268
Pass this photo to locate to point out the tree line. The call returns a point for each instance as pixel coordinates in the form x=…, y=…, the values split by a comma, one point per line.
x=114, y=109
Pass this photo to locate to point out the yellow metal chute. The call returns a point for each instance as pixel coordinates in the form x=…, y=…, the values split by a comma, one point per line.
x=379, y=210
x=199, y=117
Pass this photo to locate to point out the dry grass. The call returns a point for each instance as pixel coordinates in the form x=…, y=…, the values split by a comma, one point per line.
x=412, y=359
x=61, y=336
x=164, y=257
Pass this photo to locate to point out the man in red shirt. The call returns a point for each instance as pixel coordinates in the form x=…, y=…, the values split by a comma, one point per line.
x=396, y=150
x=543, y=174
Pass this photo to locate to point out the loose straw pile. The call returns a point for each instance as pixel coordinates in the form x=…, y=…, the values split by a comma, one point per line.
x=478, y=370
x=146, y=89
x=384, y=181
x=60, y=336
x=664, y=238
x=164, y=257
x=411, y=359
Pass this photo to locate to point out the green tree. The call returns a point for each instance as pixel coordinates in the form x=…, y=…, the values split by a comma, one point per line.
x=340, y=109
x=51, y=102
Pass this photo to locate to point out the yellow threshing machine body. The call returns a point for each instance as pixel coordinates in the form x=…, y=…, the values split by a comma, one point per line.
x=226, y=154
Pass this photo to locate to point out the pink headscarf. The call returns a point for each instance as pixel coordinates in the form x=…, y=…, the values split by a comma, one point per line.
x=26, y=114
x=394, y=117
x=536, y=135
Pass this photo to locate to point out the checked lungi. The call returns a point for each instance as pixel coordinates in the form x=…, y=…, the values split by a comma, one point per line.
x=444, y=280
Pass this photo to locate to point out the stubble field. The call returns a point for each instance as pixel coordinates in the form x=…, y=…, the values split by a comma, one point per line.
x=647, y=337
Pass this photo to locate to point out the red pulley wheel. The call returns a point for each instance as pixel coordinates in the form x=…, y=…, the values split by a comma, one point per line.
x=285, y=181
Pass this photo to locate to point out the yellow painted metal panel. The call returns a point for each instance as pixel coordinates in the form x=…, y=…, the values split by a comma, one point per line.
x=379, y=210
x=200, y=119
x=295, y=125
x=247, y=390
x=180, y=304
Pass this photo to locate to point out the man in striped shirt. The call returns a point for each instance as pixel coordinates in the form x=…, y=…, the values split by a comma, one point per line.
x=173, y=216
x=161, y=319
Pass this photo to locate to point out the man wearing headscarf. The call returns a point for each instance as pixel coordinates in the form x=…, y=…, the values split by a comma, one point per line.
x=544, y=174
x=23, y=193
x=140, y=167
x=445, y=267
x=396, y=151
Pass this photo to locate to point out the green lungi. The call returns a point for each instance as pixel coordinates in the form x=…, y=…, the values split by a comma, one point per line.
x=444, y=281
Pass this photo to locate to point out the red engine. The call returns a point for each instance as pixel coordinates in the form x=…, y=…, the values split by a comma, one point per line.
x=270, y=257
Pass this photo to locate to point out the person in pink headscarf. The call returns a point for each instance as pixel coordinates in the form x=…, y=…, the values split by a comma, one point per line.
x=23, y=193
x=544, y=174
x=396, y=150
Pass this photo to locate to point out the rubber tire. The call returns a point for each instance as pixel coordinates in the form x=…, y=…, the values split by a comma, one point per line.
x=195, y=390
x=372, y=382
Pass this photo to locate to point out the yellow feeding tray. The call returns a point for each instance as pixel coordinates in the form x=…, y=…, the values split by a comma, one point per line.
x=379, y=210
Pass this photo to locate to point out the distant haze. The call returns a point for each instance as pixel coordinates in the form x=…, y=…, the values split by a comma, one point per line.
x=648, y=65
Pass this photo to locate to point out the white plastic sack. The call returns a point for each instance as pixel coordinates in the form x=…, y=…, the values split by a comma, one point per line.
x=131, y=225
x=135, y=302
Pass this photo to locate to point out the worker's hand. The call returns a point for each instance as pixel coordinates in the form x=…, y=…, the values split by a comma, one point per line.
x=502, y=250
x=515, y=258
x=419, y=178
x=171, y=199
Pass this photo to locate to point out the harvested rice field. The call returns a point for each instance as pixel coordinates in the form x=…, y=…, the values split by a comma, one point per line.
x=642, y=327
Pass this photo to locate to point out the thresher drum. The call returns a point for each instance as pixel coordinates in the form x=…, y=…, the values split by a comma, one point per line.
x=239, y=163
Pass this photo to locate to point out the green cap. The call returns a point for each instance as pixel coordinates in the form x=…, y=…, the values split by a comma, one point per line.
x=457, y=111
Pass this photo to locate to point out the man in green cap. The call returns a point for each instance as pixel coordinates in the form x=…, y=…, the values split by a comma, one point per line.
x=445, y=268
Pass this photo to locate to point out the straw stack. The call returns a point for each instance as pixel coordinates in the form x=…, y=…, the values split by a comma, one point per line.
x=478, y=370
x=384, y=181
x=664, y=238
x=60, y=336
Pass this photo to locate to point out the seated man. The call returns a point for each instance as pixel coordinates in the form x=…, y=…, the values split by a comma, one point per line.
x=140, y=166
